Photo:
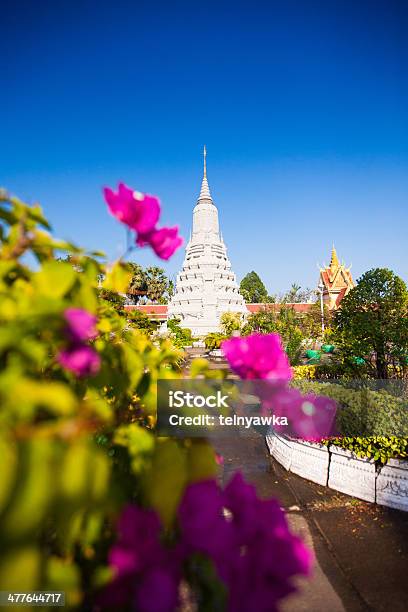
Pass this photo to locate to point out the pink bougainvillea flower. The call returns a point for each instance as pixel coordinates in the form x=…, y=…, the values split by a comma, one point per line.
x=310, y=417
x=258, y=356
x=248, y=539
x=164, y=241
x=139, y=211
x=158, y=591
x=80, y=325
x=270, y=556
x=146, y=574
x=313, y=417
x=219, y=459
x=261, y=357
x=80, y=359
x=204, y=527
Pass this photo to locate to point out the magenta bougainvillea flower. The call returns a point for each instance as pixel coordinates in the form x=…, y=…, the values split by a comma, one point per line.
x=261, y=357
x=164, y=241
x=140, y=212
x=311, y=417
x=80, y=325
x=247, y=539
x=78, y=357
x=258, y=356
x=219, y=459
x=81, y=360
x=146, y=574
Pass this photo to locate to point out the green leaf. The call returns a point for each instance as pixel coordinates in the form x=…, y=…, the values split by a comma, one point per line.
x=55, y=279
x=35, y=491
x=20, y=570
x=138, y=441
x=36, y=214
x=166, y=479
x=8, y=454
x=63, y=575
x=117, y=278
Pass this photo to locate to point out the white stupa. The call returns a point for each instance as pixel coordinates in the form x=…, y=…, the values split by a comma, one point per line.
x=206, y=287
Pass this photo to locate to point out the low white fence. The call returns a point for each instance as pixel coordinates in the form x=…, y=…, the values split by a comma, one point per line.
x=341, y=470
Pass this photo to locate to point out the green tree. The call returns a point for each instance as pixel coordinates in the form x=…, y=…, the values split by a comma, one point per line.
x=263, y=322
x=296, y=295
x=157, y=284
x=285, y=323
x=311, y=322
x=150, y=284
x=138, y=284
x=372, y=322
x=253, y=290
x=141, y=321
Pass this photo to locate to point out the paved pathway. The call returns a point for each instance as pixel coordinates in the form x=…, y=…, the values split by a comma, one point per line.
x=361, y=549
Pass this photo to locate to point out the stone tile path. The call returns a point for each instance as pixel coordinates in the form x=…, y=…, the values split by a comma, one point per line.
x=361, y=549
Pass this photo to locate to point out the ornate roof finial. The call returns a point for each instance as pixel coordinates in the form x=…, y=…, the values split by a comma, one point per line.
x=205, y=161
x=334, y=262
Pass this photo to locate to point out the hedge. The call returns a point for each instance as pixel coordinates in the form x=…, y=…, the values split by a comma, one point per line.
x=371, y=423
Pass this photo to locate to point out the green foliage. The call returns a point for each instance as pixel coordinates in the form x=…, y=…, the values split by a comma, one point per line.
x=230, y=322
x=141, y=321
x=114, y=298
x=73, y=450
x=371, y=423
x=213, y=340
x=253, y=290
x=372, y=323
x=158, y=285
x=181, y=336
x=150, y=284
x=311, y=321
x=296, y=295
x=379, y=448
x=285, y=323
x=137, y=286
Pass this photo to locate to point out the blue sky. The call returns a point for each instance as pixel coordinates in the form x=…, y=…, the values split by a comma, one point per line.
x=303, y=106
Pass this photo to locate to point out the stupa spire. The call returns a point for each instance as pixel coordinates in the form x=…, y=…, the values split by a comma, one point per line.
x=205, y=190
x=206, y=286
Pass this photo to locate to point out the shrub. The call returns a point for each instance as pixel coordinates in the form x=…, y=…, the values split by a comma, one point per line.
x=77, y=383
x=230, y=322
x=141, y=321
x=302, y=372
x=181, y=336
x=213, y=340
x=379, y=448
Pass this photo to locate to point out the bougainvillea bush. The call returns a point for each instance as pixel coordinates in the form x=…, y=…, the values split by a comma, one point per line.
x=91, y=502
